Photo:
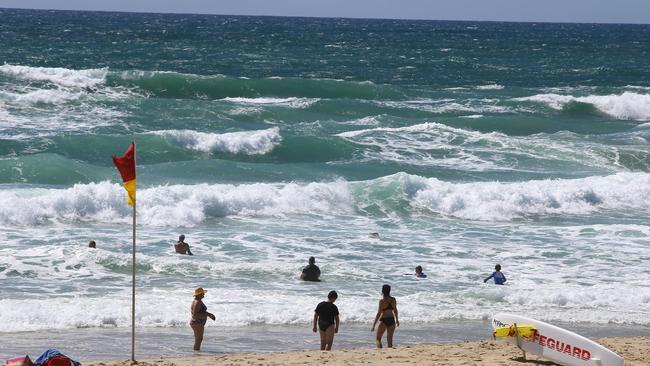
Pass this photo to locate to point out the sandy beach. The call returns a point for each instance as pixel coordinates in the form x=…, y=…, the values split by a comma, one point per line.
x=635, y=350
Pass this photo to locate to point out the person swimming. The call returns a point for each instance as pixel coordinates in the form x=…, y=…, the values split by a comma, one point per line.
x=182, y=247
x=499, y=278
x=311, y=272
x=419, y=273
x=92, y=244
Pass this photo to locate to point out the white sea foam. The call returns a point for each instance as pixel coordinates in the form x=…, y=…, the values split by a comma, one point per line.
x=190, y=205
x=250, y=264
x=507, y=201
x=245, y=142
x=365, y=121
x=567, y=295
x=628, y=105
x=490, y=87
x=42, y=96
x=71, y=98
x=178, y=205
x=450, y=105
x=292, y=102
x=637, y=87
x=551, y=301
x=59, y=76
x=441, y=145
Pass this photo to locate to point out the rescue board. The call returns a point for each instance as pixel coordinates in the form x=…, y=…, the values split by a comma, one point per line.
x=556, y=344
x=524, y=331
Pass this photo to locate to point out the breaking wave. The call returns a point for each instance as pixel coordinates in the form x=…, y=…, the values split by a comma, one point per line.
x=244, y=142
x=59, y=76
x=190, y=205
x=628, y=105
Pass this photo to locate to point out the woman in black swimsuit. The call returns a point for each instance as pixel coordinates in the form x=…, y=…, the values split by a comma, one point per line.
x=387, y=316
x=199, y=316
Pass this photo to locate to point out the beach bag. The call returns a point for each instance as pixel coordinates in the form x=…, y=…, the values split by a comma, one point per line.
x=19, y=361
x=53, y=357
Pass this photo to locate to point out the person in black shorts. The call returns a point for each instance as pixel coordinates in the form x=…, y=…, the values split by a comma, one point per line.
x=387, y=316
x=326, y=316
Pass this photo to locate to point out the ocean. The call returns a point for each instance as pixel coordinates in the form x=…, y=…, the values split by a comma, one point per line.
x=266, y=140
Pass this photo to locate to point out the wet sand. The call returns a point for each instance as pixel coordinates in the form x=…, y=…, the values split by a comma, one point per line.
x=635, y=350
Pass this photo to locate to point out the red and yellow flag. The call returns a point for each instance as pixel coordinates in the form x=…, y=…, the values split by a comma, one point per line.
x=126, y=165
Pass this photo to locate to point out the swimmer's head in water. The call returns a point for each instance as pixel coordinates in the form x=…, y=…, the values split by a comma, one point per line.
x=181, y=237
x=418, y=269
x=91, y=244
x=497, y=267
x=312, y=260
x=385, y=290
x=332, y=295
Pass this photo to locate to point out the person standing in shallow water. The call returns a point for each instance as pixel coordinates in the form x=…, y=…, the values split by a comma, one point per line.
x=499, y=278
x=182, y=247
x=311, y=272
x=326, y=316
x=200, y=316
x=387, y=317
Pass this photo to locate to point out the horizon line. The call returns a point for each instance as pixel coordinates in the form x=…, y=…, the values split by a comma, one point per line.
x=322, y=17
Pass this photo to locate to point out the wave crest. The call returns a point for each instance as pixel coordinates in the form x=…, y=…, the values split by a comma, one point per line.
x=244, y=142
x=400, y=194
x=628, y=105
x=177, y=205
x=496, y=201
x=177, y=85
x=60, y=76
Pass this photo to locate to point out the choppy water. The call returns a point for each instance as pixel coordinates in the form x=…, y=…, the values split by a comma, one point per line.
x=267, y=140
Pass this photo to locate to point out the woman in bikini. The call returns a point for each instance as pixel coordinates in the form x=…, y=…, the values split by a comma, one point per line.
x=199, y=316
x=387, y=316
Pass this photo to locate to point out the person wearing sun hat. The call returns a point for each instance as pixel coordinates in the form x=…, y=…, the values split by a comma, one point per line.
x=200, y=315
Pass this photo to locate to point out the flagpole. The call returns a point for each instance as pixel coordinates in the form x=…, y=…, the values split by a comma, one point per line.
x=133, y=293
x=133, y=276
x=125, y=164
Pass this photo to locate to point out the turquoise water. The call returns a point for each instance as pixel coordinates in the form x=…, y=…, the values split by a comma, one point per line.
x=267, y=140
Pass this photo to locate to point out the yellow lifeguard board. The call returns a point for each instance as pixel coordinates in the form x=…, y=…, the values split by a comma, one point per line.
x=524, y=331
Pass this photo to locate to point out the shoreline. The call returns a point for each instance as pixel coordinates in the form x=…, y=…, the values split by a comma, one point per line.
x=635, y=351
x=94, y=344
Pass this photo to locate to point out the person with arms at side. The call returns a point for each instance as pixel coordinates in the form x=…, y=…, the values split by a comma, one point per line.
x=326, y=316
x=387, y=317
x=182, y=247
x=499, y=278
x=311, y=272
x=419, y=273
x=200, y=316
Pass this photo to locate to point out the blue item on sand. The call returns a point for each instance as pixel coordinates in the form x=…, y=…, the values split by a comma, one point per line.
x=53, y=357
